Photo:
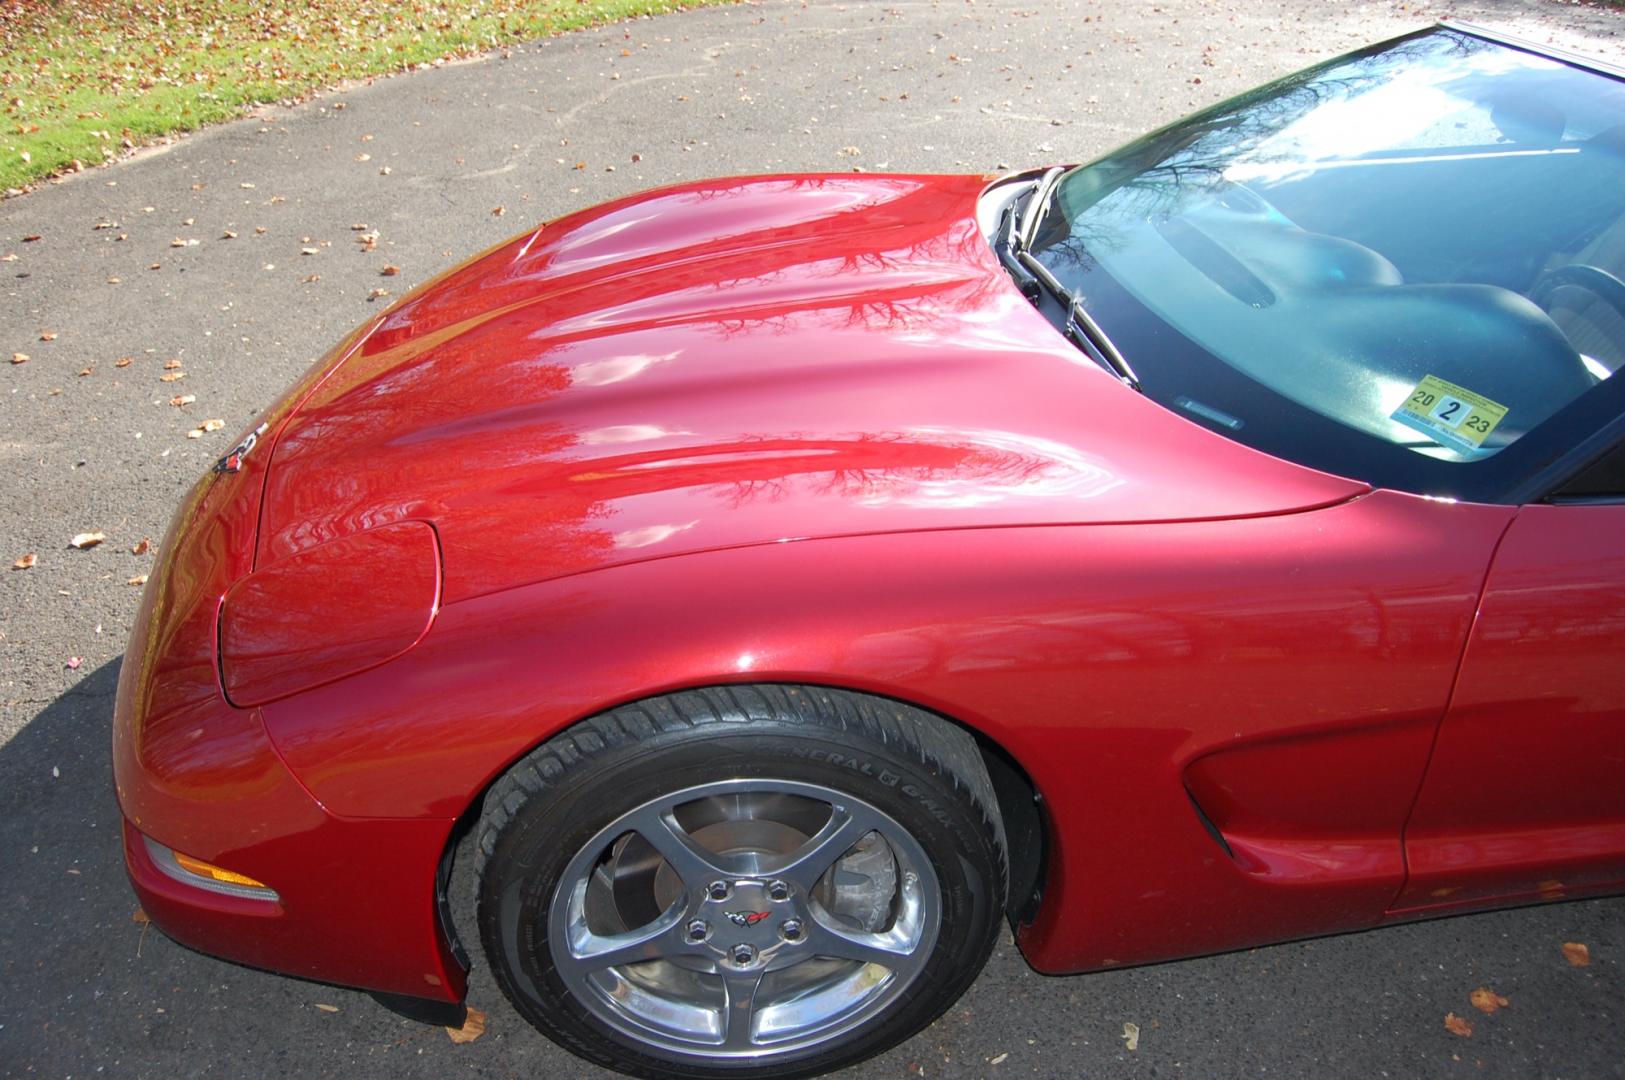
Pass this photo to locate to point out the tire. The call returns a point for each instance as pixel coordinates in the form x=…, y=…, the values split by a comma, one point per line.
x=741, y=881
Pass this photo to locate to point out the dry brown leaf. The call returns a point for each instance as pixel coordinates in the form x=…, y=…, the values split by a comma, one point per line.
x=142, y=548
x=47, y=335
x=140, y=917
x=30, y=238
x=124, y=361
x=260, y=230
x=472, y=1028
x=228, y=235
x=322, y=1005
x=360, y=226
x=311, y=278
x=1487, y=1001
x=376, y=293
x=1457, y=1026
x=195, y=433
x=1576, y=953
x=87, y=540
x=25, y=562
x=182, y=399
x=139, y=579
x=390, y=271
x=19, y=358
x=212, y=425
x=498, y=211
x=172, y=365
x=173, y=376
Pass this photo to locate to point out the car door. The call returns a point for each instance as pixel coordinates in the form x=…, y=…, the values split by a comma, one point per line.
x=1525, y=793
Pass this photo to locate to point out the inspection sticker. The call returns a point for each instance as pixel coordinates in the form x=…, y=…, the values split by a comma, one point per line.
x=1449, y=414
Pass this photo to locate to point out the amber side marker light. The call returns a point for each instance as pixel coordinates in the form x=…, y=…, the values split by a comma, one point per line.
x=207, y=876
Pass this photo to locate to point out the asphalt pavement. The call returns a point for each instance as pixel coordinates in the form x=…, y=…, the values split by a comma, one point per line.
x=238, y=255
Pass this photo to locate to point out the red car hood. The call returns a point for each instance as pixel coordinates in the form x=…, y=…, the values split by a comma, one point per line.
x=737, y=362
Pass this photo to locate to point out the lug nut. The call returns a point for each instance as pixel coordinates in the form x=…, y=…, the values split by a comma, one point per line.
x=778, y=890
x=790, y=930
x=699, y=930
x=743, y=954
x=718, y=890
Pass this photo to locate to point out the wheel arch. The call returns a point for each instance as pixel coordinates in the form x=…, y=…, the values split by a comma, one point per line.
x=1020, y=802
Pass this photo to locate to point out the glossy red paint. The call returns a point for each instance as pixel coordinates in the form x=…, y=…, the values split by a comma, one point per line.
x=330, y=611
x=736, y=362
x=806, y=429
x=1523, y=799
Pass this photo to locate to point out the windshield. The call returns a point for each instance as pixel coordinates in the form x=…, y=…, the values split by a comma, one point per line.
x=1396, y=265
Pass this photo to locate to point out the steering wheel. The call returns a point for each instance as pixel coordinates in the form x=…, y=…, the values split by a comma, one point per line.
x=1595, y=280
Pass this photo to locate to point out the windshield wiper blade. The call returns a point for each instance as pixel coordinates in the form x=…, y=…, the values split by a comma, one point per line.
x=1037, y=204
x=1079, y=325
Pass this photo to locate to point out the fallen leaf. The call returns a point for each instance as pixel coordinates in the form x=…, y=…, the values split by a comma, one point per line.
x=212, y=425
x=998, y=1059
x=139, y=579
x=195, y=433
x=142, y=547
x=87, y=540
x=472, y=1028
x=310, y=251
x=25, y=562
x=140, y=917
x=172, y=376
x=360, y=226
x=86, y=371
x=47, y=335
x=390, y=271
x=19, y=358
x=376, y=293
x=172, y=365
x=73, y=663
x=1576, y=953
x=498, y=211
x=123, y=361
x=182, y=399
x=260, y=230
x=1457, y=1026
x=30, y=238
x=228, y=235
x=1487, y=1001
x=363, y=157
x=1131, y=1035
x=311, y=278
x=325, y=1007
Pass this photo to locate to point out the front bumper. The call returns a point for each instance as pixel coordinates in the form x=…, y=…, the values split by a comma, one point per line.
x=356, y=898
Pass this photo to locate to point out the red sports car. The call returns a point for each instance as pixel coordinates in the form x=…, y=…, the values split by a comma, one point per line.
x=779, y=581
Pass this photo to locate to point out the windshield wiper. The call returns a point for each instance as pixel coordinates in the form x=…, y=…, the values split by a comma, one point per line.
x=1079, y=326
x=1034, y=279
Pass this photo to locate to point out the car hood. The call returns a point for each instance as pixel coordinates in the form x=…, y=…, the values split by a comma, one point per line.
x=736, y=362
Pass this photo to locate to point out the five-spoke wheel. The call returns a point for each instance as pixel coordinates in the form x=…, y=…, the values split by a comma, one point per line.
x=781, y=891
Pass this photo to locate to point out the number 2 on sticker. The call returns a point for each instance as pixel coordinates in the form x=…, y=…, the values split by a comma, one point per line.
x=1449, y=410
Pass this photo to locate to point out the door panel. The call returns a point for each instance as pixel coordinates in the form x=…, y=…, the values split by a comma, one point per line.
x=1525, y=794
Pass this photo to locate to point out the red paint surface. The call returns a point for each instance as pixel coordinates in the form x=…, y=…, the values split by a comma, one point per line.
x=1526, y=793
x=805, y=429
x=327, y=612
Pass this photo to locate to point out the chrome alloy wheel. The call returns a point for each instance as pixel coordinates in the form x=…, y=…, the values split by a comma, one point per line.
x=744, y=919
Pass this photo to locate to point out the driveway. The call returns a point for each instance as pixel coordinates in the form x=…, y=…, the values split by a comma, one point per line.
x=238, y=255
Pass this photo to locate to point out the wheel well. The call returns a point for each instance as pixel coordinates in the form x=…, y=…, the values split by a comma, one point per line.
x=1019, y=801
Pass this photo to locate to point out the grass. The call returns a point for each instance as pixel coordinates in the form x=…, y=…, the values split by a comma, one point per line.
x=83, y=80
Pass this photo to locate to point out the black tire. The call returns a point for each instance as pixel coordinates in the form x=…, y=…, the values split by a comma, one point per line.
x=924, y=775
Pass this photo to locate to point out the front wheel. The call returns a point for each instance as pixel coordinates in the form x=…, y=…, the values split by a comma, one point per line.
x=746, y=881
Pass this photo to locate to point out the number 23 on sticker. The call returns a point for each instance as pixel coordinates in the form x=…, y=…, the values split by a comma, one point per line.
x=1449, y=414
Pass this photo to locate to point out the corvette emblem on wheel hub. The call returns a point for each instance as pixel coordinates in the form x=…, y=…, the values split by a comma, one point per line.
x=746, y=918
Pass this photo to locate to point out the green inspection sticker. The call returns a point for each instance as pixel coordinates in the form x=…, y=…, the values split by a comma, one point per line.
x=1451, y=415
